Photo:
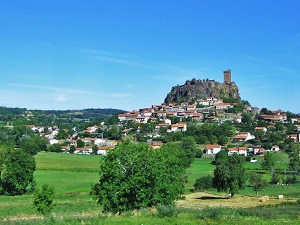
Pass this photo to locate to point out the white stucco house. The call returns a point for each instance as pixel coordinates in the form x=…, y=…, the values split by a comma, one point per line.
x=212, y=149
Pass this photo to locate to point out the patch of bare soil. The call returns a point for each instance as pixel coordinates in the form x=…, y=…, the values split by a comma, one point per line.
x=203, y=199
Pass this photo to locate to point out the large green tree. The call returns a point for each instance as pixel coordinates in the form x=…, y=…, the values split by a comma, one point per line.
x=16, y=172
x=294, y=163
x=132, y=176
x=190, y=148
x=229, y=174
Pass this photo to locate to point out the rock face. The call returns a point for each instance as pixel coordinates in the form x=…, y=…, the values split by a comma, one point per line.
x=195, y=89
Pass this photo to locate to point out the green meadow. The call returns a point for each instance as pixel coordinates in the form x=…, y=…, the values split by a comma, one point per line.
x=72, y=177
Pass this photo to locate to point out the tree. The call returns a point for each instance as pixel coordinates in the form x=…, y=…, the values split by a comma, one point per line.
x=95, y=149
x=72, y=149
x=132, y=177
x=29, y=145
x=54, y=148
x=203, y=183
x=16, y=172
x=221, y=157
x=188, y=145
x=43, y=199
x=230, y=175
x=269, y=162
x=294, y=164
x=80, y=143
x=257, y=182
x=62, y=134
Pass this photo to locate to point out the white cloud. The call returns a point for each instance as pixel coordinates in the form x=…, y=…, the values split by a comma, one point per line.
x=49, y=88
x=60, y=98
x=119, y=95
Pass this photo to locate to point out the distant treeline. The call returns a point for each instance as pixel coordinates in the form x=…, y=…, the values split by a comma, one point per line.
x=7, y=114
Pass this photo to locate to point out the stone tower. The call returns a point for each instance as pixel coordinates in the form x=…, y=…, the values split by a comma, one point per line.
x=227, y=76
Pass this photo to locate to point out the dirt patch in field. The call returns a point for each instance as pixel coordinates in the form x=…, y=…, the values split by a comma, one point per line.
x=203, y=199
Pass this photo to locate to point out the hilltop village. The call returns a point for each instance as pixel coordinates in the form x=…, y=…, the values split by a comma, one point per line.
x=215, y=123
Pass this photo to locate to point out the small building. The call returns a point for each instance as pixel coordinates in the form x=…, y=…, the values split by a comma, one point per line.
x=238, y=150
x=212, y=148
x=243, y=136
x=178, y=127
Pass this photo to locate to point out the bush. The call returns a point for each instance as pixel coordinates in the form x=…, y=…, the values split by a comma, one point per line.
x=291, y=180
x=203, y=183
x=43, y=199
x=166, y=211
x=211, y=213
x=248, y=158
x=199, y=154
x=275, y=178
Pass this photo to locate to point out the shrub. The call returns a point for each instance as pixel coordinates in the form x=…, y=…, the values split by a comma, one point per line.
x=291, y=180
x=43, y=199
x=203, y=183
x=211, y=213
x=166, y=211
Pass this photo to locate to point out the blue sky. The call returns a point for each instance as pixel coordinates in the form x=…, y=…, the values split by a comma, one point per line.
x=70, y=54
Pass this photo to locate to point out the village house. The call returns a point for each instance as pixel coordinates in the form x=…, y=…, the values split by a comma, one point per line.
x=128, y=116
x=203, y=102
x=212, y=149
x=91, y=129
x=102, y=150
x=295, y=120
x=243, y=136
x=156, y=144
x=222, y=106
x=295, y=137
x=237, y=119
x=238, y=150
x=261, y=129
x=178, y=127
x=257, y=150
x=191, y=107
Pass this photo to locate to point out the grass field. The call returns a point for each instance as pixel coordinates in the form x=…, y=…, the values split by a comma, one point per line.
x=72, y=176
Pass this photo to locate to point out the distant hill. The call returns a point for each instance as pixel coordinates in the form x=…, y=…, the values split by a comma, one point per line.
x=7, y=114
x=195, y=89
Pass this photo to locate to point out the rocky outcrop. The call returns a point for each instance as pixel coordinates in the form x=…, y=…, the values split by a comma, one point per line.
x=195, y=89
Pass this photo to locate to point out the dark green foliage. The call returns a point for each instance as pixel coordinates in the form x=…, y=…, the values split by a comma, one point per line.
x=62, y=134
x=294, y=164
x=188, y=145
x=80, y=143
x=291, y=180
x=72, y=149
x=230, y=174
x=16, y=172
x=94, y=149
x=114, y=133
x=199, y=153
x=221, y=157
x=54, y=148
x=166, y=211
x=203, y=183
x=257, y=182
x=43, y=199
x=132, y=177
x=276, y=178
x=269, y=161
x=210, y=132
x=210, y=213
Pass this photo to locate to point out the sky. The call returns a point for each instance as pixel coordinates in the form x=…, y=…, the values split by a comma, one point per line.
x=127, y=54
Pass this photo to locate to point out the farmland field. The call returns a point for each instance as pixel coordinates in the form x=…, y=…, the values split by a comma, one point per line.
x=72, y=176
